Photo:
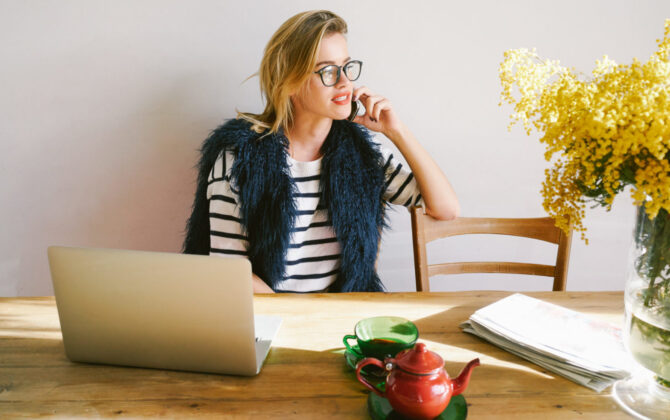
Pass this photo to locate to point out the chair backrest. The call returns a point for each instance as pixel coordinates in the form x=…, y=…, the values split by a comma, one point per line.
x=426, y=229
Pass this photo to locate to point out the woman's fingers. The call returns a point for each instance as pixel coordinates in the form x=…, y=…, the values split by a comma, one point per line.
x=370, y=102
x=380, y=106
x=366, y=96
x=360, y=91
x=374, y=105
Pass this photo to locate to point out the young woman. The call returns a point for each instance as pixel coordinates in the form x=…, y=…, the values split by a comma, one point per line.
x=300, y=190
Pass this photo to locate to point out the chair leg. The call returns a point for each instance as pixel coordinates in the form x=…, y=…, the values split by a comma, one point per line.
x=419, y=247
x=562, y=261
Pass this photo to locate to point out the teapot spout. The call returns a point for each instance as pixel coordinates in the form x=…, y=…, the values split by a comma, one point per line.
x=463, y=379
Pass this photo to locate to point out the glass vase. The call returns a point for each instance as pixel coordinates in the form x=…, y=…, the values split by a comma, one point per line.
x=646, y=393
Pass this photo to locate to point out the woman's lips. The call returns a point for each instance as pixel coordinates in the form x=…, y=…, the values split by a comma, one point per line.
x=342, y=99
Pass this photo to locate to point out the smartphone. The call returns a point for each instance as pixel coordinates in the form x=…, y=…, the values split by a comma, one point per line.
x=355, y=107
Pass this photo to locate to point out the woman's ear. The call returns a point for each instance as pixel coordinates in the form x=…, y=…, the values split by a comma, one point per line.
x=293, y=96
x=296, y=94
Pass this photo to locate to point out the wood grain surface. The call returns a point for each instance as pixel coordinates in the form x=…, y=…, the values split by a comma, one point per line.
x=305, y=375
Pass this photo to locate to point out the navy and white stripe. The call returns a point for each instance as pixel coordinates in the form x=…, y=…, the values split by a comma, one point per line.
x=401, y=186
x=313, y=256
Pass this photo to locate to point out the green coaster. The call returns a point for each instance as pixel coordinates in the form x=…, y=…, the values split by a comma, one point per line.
x=380, y=409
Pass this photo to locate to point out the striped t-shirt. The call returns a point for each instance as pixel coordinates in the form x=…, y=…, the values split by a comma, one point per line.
x=313, y=256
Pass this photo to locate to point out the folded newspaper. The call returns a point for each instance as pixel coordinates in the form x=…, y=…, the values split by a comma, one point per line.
x=584, y=350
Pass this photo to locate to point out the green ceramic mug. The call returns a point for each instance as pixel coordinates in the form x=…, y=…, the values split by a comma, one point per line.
x=382, y=336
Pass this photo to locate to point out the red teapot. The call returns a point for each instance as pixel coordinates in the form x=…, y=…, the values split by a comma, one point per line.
x=417, y=385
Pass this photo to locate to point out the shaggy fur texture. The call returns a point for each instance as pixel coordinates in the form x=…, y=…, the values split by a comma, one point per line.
x=352, y=187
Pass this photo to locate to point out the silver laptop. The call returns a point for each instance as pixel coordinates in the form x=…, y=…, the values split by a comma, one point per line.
x=159, y=310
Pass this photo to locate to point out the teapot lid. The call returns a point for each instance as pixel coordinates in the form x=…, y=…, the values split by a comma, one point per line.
x=419, y=360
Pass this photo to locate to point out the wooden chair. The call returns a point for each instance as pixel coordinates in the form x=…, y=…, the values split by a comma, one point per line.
x=426, y=229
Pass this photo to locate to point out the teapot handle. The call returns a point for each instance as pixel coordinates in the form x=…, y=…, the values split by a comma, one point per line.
x=361, y=379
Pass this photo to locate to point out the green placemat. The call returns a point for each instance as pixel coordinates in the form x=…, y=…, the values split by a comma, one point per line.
x=380, y=409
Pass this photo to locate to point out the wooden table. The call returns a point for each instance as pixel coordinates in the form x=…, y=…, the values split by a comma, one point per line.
x=304, y=376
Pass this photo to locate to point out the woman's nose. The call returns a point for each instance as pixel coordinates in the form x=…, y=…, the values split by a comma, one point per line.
x=344, y=82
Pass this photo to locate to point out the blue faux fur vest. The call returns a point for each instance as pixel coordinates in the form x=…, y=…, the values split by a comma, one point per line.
x=352, y=186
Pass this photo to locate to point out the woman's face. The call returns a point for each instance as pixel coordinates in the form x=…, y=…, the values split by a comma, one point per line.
x=317, y=100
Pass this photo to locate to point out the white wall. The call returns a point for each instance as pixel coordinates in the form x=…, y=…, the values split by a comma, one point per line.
x=104, y=104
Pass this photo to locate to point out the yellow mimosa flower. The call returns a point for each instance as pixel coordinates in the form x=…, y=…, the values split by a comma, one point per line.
x=601, y=134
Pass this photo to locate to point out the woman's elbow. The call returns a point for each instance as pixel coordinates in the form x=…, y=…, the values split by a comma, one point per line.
x=447, y=212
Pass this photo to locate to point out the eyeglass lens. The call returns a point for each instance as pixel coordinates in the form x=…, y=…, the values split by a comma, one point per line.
x=330, y=75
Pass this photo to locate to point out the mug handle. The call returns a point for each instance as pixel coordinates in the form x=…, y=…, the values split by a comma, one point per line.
x=346, y=339
x=361, y=379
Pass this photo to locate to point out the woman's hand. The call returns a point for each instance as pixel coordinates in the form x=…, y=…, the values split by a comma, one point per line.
x=379, y=114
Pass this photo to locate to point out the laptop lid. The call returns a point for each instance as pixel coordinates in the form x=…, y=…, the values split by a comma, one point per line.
x=157, y=310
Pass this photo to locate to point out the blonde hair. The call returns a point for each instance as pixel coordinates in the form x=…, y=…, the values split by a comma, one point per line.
x=287, y=64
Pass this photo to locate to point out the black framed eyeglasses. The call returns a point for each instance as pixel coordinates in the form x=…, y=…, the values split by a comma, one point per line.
x=330, y=75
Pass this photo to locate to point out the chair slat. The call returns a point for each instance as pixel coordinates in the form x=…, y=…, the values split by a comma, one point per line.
x=541, y=228
x=491, y=267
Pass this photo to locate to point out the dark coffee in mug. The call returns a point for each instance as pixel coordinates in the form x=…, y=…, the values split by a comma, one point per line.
x=382, y=347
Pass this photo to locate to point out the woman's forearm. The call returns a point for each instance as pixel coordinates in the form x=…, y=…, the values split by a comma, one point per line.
x=438, y=195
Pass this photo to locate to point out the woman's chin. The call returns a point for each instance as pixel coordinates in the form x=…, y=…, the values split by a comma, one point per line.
x=342, y=115
x=339, y=113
